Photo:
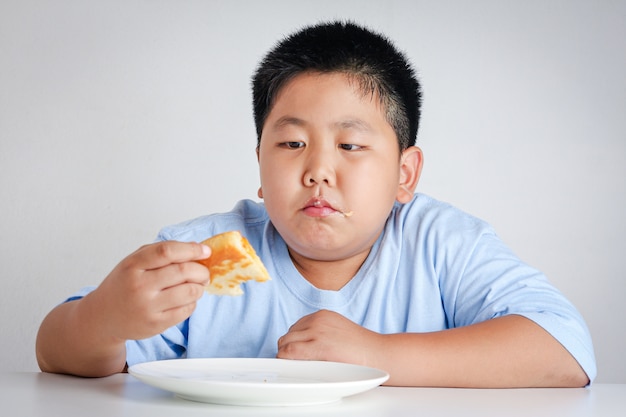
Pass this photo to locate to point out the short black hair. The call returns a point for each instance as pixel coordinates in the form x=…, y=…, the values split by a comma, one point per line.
x=345, y=47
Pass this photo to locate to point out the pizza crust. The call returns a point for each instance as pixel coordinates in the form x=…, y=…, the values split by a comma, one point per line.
x=232, y=262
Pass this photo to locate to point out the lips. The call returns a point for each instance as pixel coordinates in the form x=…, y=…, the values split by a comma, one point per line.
x=320, y=207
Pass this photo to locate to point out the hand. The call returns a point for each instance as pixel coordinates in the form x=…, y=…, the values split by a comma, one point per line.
x=154, y=288
x=329, y=336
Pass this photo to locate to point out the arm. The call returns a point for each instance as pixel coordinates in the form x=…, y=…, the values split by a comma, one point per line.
x=154, y=288
x=510, y=351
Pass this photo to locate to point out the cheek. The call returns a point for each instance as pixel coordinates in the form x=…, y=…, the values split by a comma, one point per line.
x=372, y=180
x=265, y=171
x=274, y=181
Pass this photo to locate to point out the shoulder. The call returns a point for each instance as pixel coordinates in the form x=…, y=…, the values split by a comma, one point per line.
x=425, y=213
x=440, y=234
x=247, y=216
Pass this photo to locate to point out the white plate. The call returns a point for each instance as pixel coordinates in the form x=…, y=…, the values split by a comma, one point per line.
x=250, y=381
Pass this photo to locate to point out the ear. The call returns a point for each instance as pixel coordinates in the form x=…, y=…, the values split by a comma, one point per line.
x=260, y=192
x=411, y=163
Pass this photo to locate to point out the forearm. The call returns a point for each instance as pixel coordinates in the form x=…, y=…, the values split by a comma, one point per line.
x=511, y=351
x=72, y=341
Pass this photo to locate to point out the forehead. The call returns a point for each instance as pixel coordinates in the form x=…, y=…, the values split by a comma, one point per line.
x=358, y=83
x=310, y=89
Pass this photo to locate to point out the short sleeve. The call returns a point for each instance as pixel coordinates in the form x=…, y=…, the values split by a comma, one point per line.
x=494, y=282
x=171, y=344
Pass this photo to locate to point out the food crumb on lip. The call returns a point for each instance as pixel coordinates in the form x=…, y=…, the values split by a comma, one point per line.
x=347, y=213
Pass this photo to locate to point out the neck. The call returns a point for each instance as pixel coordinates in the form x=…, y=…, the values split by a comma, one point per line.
x=328, y=275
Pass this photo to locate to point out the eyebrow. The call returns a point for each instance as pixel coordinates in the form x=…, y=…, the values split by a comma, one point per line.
x=357, y=124
x=350, y=123
x=289, y=120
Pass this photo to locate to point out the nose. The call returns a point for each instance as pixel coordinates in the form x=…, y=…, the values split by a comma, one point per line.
x=319, y=169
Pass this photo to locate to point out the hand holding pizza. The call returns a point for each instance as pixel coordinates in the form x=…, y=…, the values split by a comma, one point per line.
x=152, y=289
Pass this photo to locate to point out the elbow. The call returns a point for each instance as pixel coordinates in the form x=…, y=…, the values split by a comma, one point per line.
x=570, y=377
x=577, y=379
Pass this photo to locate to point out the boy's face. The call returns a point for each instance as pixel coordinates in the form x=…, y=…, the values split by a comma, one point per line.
x=330, y=167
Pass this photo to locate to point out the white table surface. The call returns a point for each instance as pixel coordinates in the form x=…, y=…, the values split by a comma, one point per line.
x=38, y=394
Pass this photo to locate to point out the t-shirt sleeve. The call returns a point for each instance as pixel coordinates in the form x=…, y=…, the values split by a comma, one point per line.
x=171, y=344
x=168, y=345
x=493, y=282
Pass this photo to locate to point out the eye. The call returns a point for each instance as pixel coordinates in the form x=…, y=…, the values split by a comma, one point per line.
x=350, y=147
x=292, y=145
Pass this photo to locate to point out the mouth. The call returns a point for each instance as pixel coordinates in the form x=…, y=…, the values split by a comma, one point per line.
x=320, y=207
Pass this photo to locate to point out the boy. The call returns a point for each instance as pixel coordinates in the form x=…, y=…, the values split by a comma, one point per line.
x=364, y=270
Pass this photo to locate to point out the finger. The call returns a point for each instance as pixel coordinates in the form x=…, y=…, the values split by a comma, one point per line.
x=179, y=296
x=158, y=255
x=175, y=274
x=175, y=315
x=306, y=349
x=294, y=337
x=300, y=331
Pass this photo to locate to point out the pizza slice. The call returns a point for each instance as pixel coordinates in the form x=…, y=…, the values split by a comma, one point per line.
x=232, y=261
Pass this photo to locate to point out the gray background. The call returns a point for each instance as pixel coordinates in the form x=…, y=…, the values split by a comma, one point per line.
x=120, y=117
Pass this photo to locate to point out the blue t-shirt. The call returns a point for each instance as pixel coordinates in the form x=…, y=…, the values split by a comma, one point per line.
x=434, y=267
